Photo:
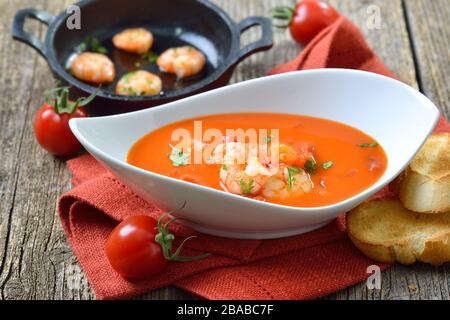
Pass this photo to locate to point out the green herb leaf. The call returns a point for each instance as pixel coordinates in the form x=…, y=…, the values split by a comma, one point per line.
x=150, y=56
x=92, y=44
x=291, y=172
x=82, y=47
x=310, y=166
x=224, y=167
x=127, y=76
x=96, y=46
x=368, y=145
x=246, y=187
x=327, y=165
x=178, y=157
x=131, y=92
x=267, y=139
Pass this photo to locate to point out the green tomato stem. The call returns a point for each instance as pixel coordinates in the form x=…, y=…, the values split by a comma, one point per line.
x=165, y=239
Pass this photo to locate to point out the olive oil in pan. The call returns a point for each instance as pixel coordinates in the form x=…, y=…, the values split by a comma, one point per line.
x=126, y=62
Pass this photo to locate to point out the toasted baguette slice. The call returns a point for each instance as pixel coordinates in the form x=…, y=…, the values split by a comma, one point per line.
x=425, y=185
x=387, y=232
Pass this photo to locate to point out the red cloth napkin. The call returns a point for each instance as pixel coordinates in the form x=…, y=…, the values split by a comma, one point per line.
x=300, y=267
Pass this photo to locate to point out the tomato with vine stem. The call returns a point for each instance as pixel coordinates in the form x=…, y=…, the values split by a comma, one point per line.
x=306, y=19
x=141, y=247
x=51, y=126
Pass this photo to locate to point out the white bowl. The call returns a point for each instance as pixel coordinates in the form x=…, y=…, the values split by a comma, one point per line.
x=396, y=115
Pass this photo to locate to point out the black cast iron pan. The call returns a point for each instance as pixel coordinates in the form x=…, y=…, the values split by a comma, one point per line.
x=176, y=22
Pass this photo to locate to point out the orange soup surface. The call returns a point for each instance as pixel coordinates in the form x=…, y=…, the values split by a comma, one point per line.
x=321, y=162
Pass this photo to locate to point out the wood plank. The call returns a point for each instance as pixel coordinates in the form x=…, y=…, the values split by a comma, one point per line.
x=430, y=34
x=392, y=45
x=18, y=68
x=390, y=42
x=35, y=260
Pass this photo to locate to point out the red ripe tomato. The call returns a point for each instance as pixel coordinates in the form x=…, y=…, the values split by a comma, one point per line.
x=51, y=126
x=140, y=247
x=306, y=19
x=53, y=133
x=132, y=250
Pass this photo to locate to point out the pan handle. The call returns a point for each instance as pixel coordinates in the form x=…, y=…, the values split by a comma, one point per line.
x=266, y=41
x=19, y=33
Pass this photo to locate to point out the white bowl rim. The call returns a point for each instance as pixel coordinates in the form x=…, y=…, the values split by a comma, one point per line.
x=375, y=187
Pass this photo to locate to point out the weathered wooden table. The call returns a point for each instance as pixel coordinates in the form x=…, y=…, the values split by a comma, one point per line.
x=36, y=262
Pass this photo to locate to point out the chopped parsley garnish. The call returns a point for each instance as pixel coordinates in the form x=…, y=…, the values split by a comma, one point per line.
x=224, y=167
x=291, y=172
x=92, y=44
x=127, y=76
x=310, y=166
x=246, y=187
x=267, y=139
x=327, y=165
x=368, y=145
x=131, y=92
x=178, y=157
x=150, y=56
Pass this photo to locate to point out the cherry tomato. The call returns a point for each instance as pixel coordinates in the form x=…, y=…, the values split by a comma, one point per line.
x=140, y=247
x=53, y=133
x=306, y=19
x=132, y=250
x=51, y=126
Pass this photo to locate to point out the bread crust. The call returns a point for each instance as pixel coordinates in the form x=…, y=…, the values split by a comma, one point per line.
x=425, y=185
x=387, y=232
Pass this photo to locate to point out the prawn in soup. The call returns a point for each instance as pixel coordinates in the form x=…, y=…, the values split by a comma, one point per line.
x=285, y=159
